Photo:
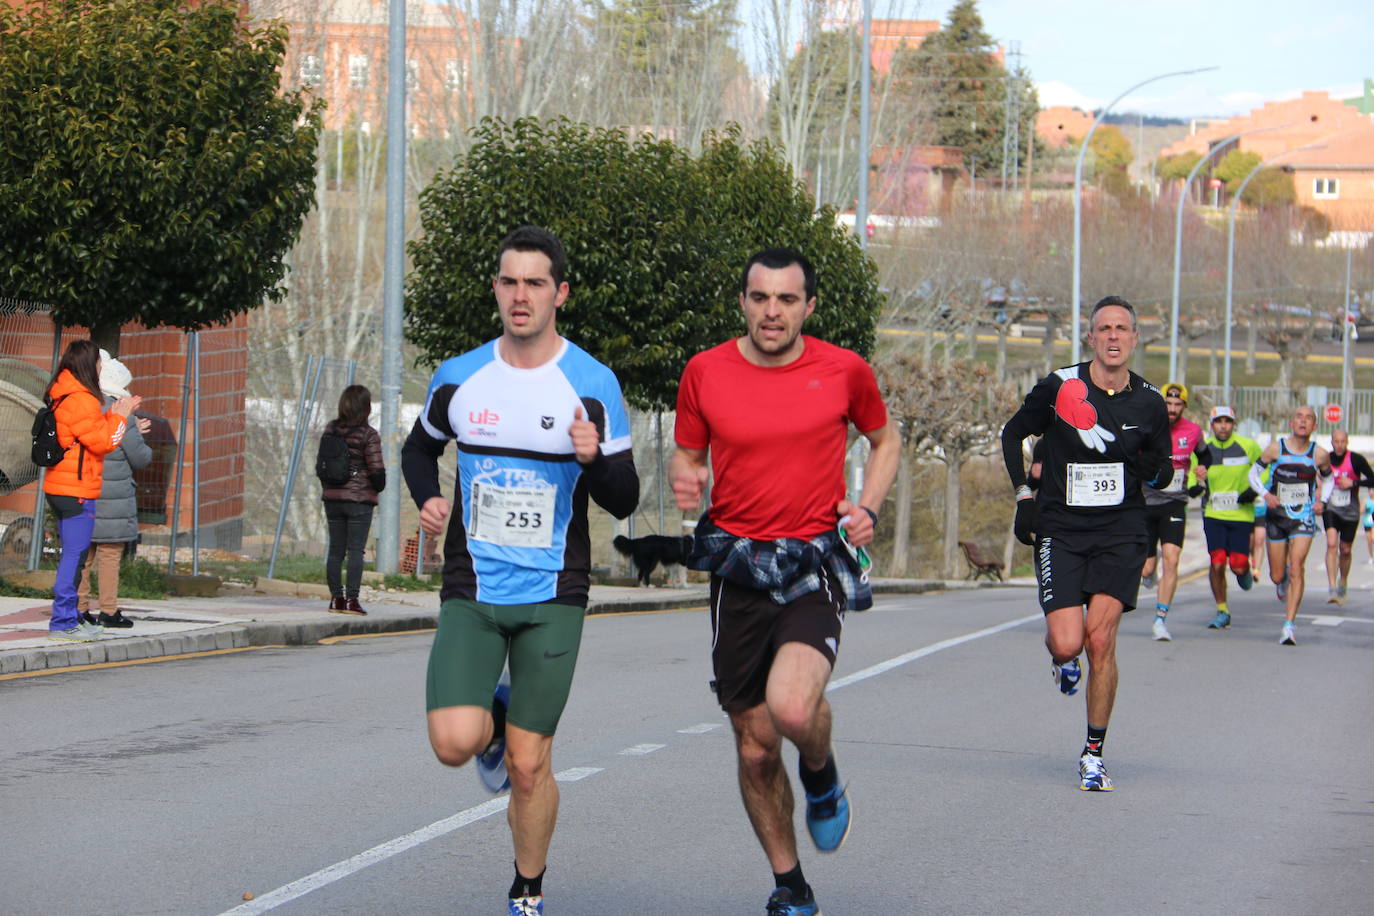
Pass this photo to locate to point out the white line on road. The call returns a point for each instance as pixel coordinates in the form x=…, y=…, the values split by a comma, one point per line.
x=1331, y=620
x=701, y=729
x=639, y=750
x=875, y=670
x=325, y=876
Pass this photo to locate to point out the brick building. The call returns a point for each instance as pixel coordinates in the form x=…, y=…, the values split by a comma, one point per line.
x=1337, y=179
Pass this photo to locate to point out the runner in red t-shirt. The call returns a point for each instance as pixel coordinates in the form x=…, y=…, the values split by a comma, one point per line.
x=772, y=409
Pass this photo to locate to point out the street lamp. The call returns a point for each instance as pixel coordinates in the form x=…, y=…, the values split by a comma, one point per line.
x=1078, y=197
x=866, y=64
x=1178, y=239
x=1231, y=260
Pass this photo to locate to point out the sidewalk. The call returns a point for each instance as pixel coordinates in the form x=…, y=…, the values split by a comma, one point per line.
x=238, y=618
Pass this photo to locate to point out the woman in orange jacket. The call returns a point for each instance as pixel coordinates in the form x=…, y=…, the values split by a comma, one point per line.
x=73, y=485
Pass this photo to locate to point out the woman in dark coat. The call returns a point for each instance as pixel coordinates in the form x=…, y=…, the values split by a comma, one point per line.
x=348, y=508
x=116, y=511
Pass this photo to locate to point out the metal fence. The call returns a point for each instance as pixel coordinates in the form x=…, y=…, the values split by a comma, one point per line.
x=1260, y=410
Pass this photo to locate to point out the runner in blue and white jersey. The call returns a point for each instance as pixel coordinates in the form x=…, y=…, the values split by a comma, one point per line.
x=541, y=426
x=1298, y=487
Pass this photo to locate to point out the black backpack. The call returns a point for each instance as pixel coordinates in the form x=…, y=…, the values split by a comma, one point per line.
x=333, y=464
x=46, y=452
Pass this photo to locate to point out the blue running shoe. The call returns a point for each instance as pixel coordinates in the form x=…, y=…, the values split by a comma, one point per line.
x=782, y=903
x=1067, y=676
x=491, y=763
x=1246, y=580
x=1092, y=774
x=827, y=817
x=527, y=906
x=1220, y=622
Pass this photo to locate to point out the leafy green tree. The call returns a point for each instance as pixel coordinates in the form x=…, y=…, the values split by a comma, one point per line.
x=152, y=170
x=1176, y=168
x=958, y=69
x=1270, y=188
x=656, y=238
x=1234, y=167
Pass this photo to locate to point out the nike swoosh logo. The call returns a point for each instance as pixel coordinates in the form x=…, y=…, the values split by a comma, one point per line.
x=1124, y=426
x=548, y=654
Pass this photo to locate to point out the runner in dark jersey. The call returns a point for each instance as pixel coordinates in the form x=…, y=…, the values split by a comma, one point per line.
x=1105, y=434
x=1293, y=502
x=1342, y=515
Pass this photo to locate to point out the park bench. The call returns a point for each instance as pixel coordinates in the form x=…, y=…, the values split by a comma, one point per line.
x=978, y=564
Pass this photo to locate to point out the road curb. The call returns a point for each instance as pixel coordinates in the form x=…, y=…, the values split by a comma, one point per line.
x=250, y=632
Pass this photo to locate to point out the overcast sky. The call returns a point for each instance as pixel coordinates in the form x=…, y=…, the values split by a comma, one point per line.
x=1086, y=52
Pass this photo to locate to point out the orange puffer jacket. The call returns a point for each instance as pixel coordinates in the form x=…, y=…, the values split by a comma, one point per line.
x=87, y=433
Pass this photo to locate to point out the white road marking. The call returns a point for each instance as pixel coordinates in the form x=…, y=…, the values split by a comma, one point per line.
x=1331, y=620
x=881, y=667
x=701, y=729
x=639, y=750
x=328, y=875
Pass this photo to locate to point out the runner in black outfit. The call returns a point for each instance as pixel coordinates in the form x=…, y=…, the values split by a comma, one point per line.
x=1106, y=433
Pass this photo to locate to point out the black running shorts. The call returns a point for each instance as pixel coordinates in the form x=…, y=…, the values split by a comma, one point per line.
x=1278, y=526
x=1070, y=569
x=1346, y=526
x=1165, y=524
x=747, y=628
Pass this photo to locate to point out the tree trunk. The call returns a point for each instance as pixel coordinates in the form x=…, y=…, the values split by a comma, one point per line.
x=1251, y=341
x=901, y=537
x=106, y=336
x=953, y=461
x=1001, y=366
x=1047, y=346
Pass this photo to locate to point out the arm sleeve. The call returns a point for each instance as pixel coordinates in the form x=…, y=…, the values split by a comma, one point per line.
x=689, y=427
x=136, y=450
x=612, y=481
x=1364, y=475
x=1256, y=478
x=1203, y=453
x=866, y=408
x=1032, y=419
x=99, y=432
x=372, y=458
x=1156, y=467
x=426, y=442
x=1328, y=483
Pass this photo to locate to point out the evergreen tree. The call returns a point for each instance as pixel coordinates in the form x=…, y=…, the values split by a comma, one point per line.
x=957, y=67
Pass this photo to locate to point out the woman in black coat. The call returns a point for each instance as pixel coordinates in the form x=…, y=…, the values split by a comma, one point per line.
x=348, y=506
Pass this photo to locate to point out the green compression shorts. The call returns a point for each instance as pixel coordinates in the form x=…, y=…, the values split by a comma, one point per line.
x=471, y=646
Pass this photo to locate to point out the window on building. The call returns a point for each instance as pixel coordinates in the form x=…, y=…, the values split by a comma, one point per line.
x=455, y=73
x=1326, y=188
x=357, y=70
x=312, y=69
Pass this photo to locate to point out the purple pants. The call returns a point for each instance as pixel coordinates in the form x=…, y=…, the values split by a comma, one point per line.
x=75, y=522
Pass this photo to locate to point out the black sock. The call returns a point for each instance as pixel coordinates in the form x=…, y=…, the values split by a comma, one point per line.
x=794, y=882
x=818, y=782
x=1096, y=738
x=527, y=887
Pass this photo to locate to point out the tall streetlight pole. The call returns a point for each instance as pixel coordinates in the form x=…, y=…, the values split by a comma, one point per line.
x=1346, y=328
x=1178, y=240
x=865, y=64
x=393, y=277
x=1078, y=200
x=1231, y=261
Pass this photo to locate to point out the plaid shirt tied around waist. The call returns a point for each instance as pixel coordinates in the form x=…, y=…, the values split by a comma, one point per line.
x=786, y=568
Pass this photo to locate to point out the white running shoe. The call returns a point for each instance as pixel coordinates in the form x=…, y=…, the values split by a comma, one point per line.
x=1287, y=638
x=1092, y=774
x=1159, y=631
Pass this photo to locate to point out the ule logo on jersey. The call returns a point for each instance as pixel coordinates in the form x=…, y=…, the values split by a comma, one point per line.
x=1071, y=403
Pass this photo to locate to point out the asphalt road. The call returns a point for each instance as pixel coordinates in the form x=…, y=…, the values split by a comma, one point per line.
x=303, y=776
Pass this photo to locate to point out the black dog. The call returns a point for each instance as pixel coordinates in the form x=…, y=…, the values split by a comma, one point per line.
x=649, y=551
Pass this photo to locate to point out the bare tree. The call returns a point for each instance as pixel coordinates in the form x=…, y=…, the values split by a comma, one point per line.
x=950, y=411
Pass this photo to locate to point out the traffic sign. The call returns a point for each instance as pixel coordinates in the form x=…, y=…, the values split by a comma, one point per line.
x=1333, y=413
x=1214, y=183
